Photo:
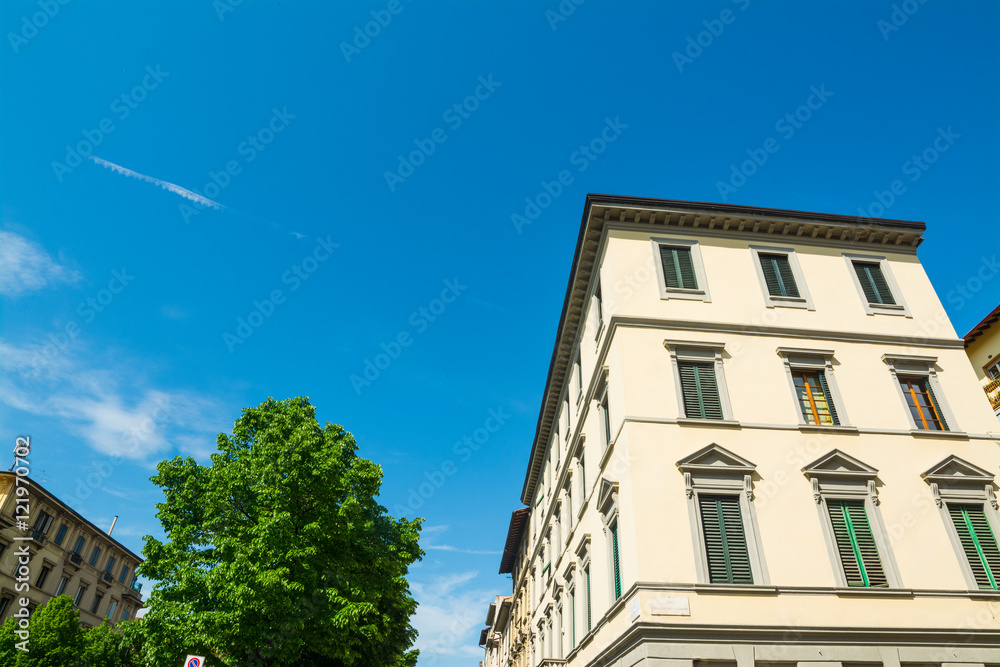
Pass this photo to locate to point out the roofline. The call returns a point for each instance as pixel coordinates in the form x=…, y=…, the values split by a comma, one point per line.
x=691, y=207
x=983, y=325
x=518, y=521
x=72, y=511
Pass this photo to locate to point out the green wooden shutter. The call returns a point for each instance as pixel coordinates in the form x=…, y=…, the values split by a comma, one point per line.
x=589, y=610
x=778, y=275
x=699, y=390
x=978, y=543
x=829, y=398
x=856, y=544
x=725, y=540
x=937, y=406
x=572, y=617
x=615, y=563
x=678, y=267
x=873, y=283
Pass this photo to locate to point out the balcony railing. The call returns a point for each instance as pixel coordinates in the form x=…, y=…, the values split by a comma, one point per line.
x=993, y=392
x=107, y=577
x=74, y=558
x=38, y=536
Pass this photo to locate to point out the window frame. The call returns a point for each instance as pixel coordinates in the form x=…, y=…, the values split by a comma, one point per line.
x=608, y=508
x=702, y=293
x=699, y=352
x=847, y=478
x=716, y=471
x=959, y=482
x=920, y=366
x=61, y=534
x=583, y=553
x=803, y=300
x=900, y=307
x=804, y=359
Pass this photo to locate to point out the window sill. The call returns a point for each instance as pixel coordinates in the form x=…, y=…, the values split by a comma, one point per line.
x=957, y=435
x=722, y=423
x=879, y=309
x=788, y=302
x=739, y=589
x=676, y=293
x=851, y=591
x=828, y=428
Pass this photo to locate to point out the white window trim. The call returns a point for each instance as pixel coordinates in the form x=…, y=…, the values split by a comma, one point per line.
x=682, y=350
x=597, y=306
x=856, y=484
x=897, y=294
x=804, y=300
x=733, y=478
x=920, y=366
x=608, y=508
x=973, y=487
x=814, y=360
x=700, y=294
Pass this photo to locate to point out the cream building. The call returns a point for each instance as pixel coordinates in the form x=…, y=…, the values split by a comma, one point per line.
x=760, y=442
x=982, y=344
x=68, y=555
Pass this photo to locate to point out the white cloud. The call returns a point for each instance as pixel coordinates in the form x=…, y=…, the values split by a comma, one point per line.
x=26, y=267
x=449, y=616
x=111, y=408
x=430, y=533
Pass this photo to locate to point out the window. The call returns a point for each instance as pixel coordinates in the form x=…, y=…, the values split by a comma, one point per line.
x=699, y=390
x=719, y=488
x=572, y=618
x=583, y=553
x=876, y=287
x=4, y=603
x=978, y=543
x=586, y=575
x=111, y=609
x=966, y=500
x=993, y=372
x=96, y=604
x=110, y=565
x=42, y=576
x=918, y=387
x=873, y=283
x=606, y=415
x=678, y=268
x=95, y=555
x=43, y=522
x=79, y=595
x=615, y=564
x=698, y=380
x=725, y=541
x=598, y=309
x=682, y=275
x=125, y=613
x=814, y=397
x=79, y=545
x=923, y=407
x=780, y=277
x=846, y=496
x=62, y=586
x=578, y=369
x=61, y=534
x=856, y=544
x=121, y=579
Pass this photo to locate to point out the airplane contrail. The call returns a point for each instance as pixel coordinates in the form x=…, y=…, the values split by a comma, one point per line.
x=170, y=187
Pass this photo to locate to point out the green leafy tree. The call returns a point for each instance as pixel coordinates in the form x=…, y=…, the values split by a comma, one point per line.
x=56, y=637
x=278, y=553
x=8, y=650
x=104, y=647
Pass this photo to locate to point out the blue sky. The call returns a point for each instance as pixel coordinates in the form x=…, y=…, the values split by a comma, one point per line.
x=272, y=153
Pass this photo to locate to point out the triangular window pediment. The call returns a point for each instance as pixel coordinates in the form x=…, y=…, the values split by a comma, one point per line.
x=839, y=464
x=956, y=470
x=715, y=458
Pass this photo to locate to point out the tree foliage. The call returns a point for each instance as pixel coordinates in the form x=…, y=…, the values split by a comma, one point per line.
x=278, y=553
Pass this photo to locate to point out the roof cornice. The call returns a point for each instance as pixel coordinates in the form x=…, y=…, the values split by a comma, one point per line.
x=641, y=213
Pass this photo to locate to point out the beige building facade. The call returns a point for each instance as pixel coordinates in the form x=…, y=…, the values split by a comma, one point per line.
x=65, y=554
x=982, y=344
x=760, y=441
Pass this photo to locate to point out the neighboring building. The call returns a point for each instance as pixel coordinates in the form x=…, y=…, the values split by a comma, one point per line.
x=495, y=638
x=68, y=556
x=760, y=441
x=515, y=556
x=982, y=344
